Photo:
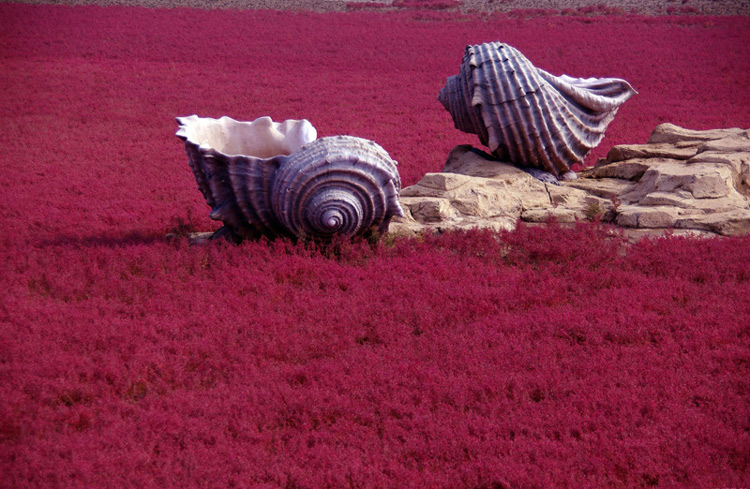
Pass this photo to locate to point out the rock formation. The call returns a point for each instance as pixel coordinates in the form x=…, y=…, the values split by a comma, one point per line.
x=690, y=182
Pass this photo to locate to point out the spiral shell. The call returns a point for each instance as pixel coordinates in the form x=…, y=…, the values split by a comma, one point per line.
x=526, y=115
x=289, y=183
x=339, y=185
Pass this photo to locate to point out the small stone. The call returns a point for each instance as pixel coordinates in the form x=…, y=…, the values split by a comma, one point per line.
x=736, y=143
x=670, y=133
x=430, y=209
x=552, y=214
x=626, y=170
x=657, y=217
x=607, y=188
x=435, y=184
x=630, y=151
x=730, y=223
x=467, y=160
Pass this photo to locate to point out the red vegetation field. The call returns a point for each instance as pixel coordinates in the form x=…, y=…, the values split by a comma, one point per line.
x=540, y=358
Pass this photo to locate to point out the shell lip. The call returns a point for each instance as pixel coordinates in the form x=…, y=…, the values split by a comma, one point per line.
x=182, y=129
x=261, y=138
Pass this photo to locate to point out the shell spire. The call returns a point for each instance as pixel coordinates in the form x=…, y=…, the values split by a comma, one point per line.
x=526, y=115
x=340, y=185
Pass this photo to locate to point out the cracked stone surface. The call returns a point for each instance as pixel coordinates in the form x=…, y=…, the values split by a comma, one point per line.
x=684, y=181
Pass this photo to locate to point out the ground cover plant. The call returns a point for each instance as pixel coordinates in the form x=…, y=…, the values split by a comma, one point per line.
x=546, y=357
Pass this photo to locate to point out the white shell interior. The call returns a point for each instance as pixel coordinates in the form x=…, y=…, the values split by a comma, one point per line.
x=261, y=138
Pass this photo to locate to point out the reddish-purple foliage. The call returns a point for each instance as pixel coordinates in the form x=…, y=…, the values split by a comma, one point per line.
x=547, y=357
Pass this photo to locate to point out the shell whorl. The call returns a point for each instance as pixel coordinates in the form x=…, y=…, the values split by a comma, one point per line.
x=340, y=185
x=526, y=115
x=290, y=184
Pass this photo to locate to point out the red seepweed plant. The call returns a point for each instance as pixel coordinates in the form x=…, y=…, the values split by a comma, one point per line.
x=543, y=357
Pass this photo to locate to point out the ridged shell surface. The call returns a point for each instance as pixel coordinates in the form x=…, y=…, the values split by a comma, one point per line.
x=289, y=183
x=526, y=115
x=234, y=163
x=340, y=185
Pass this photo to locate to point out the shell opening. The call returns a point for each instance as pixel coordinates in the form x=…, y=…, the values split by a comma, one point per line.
x=261, y=138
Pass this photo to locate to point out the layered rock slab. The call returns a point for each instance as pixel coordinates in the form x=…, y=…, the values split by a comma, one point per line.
x=692, y=182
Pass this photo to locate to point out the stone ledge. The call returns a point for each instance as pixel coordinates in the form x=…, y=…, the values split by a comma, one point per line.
x=694, y=183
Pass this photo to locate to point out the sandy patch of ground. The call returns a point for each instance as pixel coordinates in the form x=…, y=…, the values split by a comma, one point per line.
x=648, y=7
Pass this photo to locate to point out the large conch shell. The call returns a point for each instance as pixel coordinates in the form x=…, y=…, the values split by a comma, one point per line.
x=526, y=115
x=264, y=178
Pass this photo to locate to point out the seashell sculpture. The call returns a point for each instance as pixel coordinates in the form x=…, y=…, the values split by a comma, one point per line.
x=526, y=115
x=264, y=178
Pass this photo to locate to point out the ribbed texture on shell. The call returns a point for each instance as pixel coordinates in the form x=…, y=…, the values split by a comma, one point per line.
x=339, y=185
x=526, y=115
x=238, y=187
